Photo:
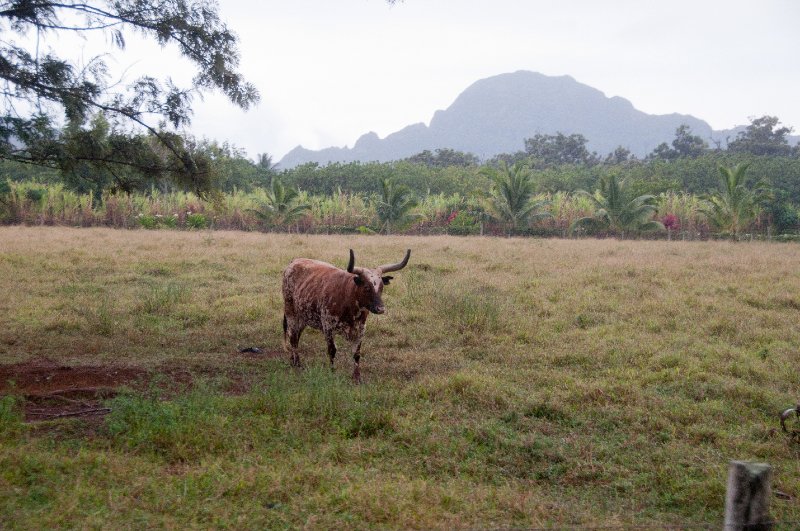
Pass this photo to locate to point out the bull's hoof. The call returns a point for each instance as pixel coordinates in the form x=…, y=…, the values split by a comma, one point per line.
x=357, y=376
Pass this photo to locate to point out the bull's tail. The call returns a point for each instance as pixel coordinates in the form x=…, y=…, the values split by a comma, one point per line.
x=285, y=334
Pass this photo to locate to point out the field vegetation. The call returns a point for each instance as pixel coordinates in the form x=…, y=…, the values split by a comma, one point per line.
x=668, y=215
x=555, y=188
x=513, y=382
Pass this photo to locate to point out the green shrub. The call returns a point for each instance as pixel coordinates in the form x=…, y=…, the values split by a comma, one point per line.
x=35, y=195
x=170, y=222
x=155, y=221
x=196, y=221
x=463, y=224
x=148, y=222
x=363, y=229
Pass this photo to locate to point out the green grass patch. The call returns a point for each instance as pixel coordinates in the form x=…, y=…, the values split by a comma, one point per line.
x=511, y=383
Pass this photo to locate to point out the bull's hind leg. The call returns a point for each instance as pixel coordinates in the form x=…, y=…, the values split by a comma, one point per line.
x=294, y=342
x=291, y=340
x=329, y=339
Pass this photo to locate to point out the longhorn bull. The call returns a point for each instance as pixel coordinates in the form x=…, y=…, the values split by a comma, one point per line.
x=335, y=301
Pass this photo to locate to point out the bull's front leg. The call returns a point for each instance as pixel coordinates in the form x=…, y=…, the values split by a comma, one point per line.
x=357, y=361
x=355, y=337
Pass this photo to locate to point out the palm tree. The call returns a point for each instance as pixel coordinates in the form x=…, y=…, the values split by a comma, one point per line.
x=265, y=168
x=512, y=200
x=734, y=206
x=280, y=208
x=616, y=212
x=264, y=162
x=394, y=205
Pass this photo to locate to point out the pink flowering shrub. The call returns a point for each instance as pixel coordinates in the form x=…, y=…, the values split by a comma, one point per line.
x=671, y=221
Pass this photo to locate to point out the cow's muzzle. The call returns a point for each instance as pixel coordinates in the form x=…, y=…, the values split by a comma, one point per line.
x=378, y=309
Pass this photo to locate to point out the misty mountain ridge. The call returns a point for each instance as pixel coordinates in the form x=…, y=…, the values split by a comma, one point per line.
x=495, y=115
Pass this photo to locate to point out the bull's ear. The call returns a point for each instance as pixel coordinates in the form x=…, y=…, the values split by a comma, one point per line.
x=358, y=280
x=386, y=280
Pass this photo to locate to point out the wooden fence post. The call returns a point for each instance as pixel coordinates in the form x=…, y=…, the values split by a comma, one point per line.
x=747, y=496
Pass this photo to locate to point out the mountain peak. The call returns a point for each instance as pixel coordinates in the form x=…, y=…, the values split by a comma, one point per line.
x=495, y=114
x=367, y=140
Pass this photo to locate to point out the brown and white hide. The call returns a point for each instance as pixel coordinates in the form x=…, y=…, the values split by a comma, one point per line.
x=333, y=300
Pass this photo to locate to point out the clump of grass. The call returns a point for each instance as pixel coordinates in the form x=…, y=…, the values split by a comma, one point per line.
x=546, y=410
x=365, y=422
x=327, y=402
x=468, y=390
x=477, y=311
x=586, y=320
x=160, y=299
x=183, y=429
x=102, y=319
x=11, y=418
x=788, y=302
x=722, y=327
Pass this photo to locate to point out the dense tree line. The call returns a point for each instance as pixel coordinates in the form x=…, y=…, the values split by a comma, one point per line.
x=564, y=163
x=550, y=164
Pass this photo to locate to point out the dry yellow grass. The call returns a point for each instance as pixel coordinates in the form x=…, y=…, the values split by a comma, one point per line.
x=512, y=381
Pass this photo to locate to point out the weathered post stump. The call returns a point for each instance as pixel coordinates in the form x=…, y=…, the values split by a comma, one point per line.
x=747, y=496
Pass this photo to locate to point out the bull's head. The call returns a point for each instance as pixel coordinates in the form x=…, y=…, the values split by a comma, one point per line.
x=370, y=282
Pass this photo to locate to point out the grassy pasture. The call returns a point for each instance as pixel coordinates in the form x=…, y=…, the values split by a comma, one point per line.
x=513, y=382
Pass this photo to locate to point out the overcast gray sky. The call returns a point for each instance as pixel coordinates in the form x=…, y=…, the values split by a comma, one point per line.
x=331, y=70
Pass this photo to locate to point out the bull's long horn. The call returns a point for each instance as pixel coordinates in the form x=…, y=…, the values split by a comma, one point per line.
x=396, y=267
x=788, y=413
x=352, y=262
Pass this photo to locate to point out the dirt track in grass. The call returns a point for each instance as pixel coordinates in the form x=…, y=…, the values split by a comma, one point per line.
x=50, y=390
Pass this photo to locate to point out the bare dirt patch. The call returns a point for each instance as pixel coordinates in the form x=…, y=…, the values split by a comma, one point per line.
x=51, y=390
x=44, y=377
